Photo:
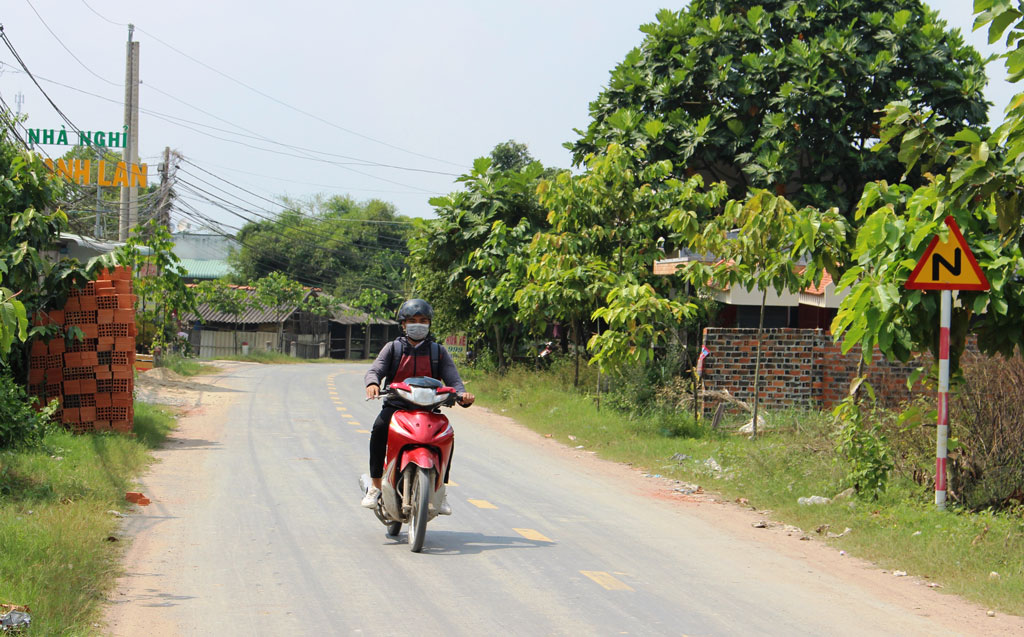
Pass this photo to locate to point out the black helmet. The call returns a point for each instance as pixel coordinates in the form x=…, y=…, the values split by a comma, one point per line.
x=412, y=307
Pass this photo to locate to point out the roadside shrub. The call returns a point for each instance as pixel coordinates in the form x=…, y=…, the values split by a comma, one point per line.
x=180, y=364
x=987, y=419
x=653, y=385
x=20, y=424
x=910, y=431
x=863, y=446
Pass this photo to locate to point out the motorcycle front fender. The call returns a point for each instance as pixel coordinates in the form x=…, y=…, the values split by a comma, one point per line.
x=420, y=456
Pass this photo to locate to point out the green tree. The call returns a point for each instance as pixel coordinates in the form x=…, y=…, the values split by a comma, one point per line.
x=32, y=221
x=783, y=95
x=979, y=182
x=511, y=155
x=469, y=261
x=758, y=244
x=162, y=295
x=336, y=244
x=608, y=226
x=221, y=296
x=13, y=321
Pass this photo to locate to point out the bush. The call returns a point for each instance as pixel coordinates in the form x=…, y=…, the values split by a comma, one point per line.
x=20, y=425
x=180, y=364
x=863, y=446
x=655, y=385
x=987, y=462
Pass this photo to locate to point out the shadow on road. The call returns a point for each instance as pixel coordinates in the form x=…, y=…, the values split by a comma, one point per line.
x=153, y=597
x=190, y=444
x=464, y=543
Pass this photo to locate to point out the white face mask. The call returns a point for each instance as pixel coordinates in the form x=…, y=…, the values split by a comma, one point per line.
x=417, y=331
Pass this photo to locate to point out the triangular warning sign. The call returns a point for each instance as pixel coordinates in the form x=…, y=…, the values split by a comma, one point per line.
x=948, y=265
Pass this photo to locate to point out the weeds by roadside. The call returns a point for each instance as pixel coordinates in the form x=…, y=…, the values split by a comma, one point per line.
x=184, y=366
x=276, y=358
x=795, y=457
x=58, y=550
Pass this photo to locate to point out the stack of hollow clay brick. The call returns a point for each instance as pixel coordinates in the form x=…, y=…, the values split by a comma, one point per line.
x=91, y=376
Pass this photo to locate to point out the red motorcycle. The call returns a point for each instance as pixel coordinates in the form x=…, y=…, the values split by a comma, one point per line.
x=420, y=443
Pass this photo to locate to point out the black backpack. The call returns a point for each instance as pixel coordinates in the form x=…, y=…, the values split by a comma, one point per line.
x=398, y=350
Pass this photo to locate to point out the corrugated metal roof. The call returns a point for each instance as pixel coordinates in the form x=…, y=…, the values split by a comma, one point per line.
x=255, y=315
x=351, y=316
x=252, y=315
x=206, y=268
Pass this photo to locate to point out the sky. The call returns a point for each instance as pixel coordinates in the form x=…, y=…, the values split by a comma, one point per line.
x=386, y=100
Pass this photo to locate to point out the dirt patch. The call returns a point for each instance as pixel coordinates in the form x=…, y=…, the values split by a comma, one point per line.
x=175, y=480
x=166, y=387
x=912, y=593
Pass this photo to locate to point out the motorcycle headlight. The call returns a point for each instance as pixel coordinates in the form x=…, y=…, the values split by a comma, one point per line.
x=422, y=396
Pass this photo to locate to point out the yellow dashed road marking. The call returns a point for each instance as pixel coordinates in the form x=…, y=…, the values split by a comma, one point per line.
x=362, y=431
x=482, y=504
x=607, y=581
x=530, y=534
x=453, y=484
x=342, y=409
x=348, y=416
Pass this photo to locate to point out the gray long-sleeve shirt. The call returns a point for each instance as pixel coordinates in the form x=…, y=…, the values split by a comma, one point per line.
x=449, y=375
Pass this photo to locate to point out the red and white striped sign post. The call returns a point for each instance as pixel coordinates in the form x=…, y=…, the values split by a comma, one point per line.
x=945, y=312
x=941, y=267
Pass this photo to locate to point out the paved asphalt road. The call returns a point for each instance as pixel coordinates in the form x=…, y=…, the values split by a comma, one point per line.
x=276, y=543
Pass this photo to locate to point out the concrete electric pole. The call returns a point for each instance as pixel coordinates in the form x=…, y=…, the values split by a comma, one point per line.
x=167, y=171
x=129, y=194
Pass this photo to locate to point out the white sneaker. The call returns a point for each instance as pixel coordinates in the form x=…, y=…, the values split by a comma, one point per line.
x=370, y=499
x=445, y=508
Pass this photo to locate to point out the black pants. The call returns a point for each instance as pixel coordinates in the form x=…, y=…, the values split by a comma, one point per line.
x=379, y=444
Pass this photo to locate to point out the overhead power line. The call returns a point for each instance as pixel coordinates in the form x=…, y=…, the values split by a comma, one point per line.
x=61, y=42
x=241, y=212
x=276, y=100
x=178, y=121
x=191, y=213
x=278, y=203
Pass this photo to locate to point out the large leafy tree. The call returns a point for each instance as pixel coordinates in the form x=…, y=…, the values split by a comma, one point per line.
x=32, y=220
x=608, y=226
x=783, y=95
x=337, y=244
x=760, y=243
x=471, y=259
x=979, y=181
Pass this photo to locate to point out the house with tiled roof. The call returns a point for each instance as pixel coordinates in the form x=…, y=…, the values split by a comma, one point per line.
x=813, y=307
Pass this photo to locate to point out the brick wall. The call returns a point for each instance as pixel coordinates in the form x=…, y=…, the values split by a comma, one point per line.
x=799, y=367
x=92, y=377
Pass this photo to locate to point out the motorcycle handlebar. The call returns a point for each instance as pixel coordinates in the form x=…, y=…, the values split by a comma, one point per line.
x=453, y=399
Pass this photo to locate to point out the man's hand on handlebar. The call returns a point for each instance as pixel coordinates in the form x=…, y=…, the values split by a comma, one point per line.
x=466, y=399
x=372, y=391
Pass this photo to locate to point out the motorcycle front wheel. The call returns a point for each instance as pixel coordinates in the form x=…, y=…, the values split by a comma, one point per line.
x=421, y=485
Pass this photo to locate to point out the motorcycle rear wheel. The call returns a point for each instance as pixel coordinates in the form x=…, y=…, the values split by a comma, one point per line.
x=420, y=509
x=394, y=528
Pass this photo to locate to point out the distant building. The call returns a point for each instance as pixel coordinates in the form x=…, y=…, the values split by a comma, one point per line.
x=812, y=308
x=76, y=246
x=204, y=255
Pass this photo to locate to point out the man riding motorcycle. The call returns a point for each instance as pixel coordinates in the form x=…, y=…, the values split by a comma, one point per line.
x=415, y=354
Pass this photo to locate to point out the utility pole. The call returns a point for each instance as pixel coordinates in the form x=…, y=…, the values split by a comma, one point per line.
x=98, y=230
x=129, y=194
x=163, y=210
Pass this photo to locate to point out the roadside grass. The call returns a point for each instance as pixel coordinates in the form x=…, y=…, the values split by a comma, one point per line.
x=795, y=457
x=57, y=554
x=275, y=358
x=186, y=366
